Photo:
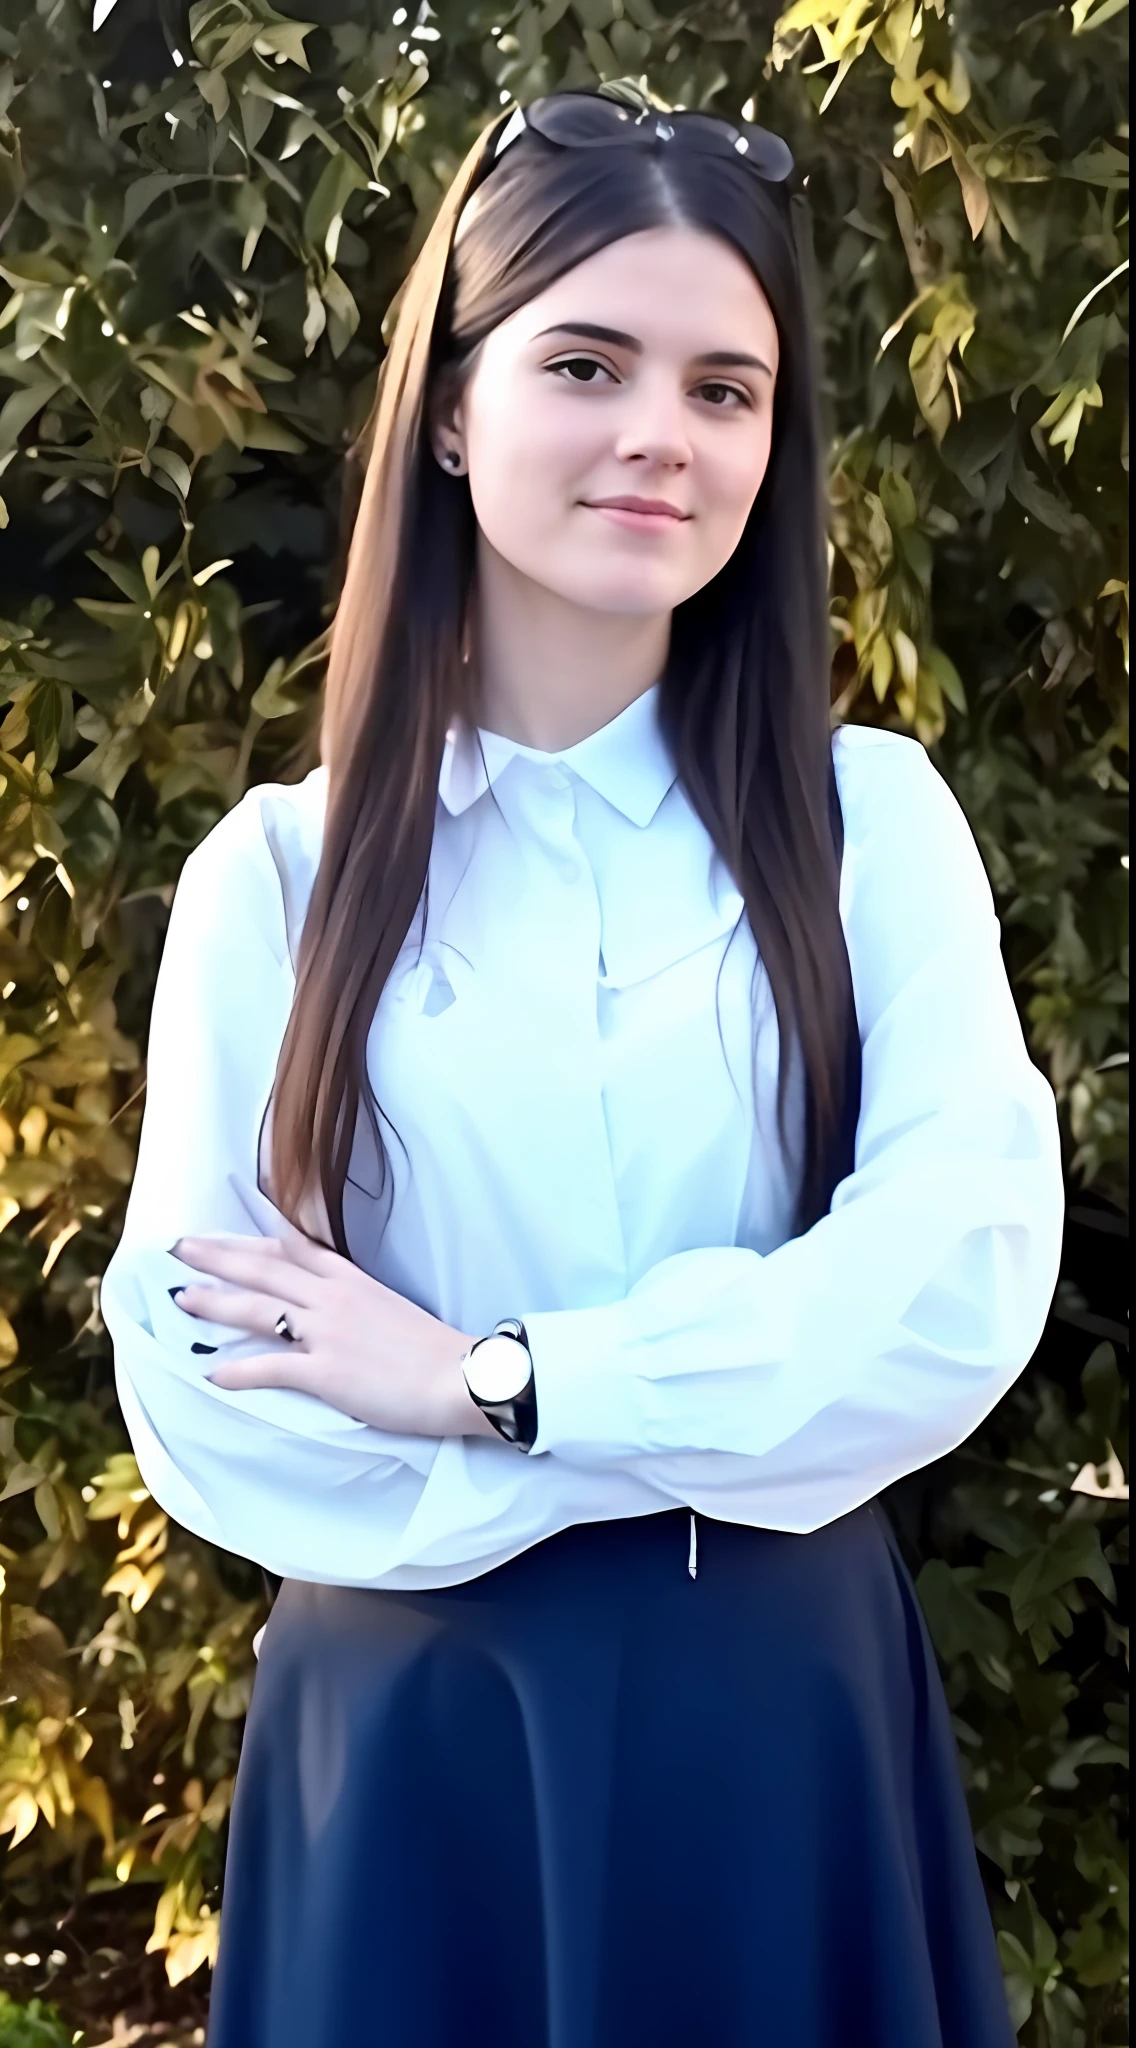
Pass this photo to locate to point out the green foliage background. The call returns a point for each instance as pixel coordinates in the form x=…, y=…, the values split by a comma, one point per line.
x=205, y=215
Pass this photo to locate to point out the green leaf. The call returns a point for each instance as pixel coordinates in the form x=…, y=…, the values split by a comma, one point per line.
x=1103, y=1391
x=22, y=1476
x=958, y=1620
x=175, y=468
x=263, y=430
x=344, y=312
x=106, y=764
x=947, y=677
x=927, y=364
x=270, y=699
x=897, y=498
x=341, y=176
x=1103, y=164
x=1073, y=1553
x=601, y=55
x=32, y=267
x=288, y=38
x=21, y=407
x=144, y=192
x=1041, y=503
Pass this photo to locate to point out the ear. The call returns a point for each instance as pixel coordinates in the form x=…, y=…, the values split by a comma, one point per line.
x=447, y=425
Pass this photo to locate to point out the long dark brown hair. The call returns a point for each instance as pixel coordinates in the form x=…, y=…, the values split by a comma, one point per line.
x=744, y=698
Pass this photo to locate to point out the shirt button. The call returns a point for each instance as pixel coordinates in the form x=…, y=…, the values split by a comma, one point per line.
x=558, y=778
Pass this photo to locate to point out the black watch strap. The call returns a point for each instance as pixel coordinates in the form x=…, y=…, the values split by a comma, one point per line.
x=516, y=1419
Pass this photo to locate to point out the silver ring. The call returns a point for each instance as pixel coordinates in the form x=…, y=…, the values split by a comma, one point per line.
x=283, y=1328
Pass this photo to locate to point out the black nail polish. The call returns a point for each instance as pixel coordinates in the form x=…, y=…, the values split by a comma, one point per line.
x=173, y=1292
x=204, y=1347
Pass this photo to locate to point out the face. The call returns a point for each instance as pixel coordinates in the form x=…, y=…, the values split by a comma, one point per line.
x=617, y=428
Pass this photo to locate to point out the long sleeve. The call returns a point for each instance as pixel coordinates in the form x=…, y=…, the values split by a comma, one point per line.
x=270, y=1474
x=267, y=1473
x=792, y=1386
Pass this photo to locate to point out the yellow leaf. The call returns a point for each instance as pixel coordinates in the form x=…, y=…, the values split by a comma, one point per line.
x=807, y=14
x=883, y=668
x=953, y=92
x=61, y=1238
x=898, y=325
x=846, y=64
x=893, y=36
x=95, y=1801
x=1115, y=1485
x=164, y=1912
x=47, y=1508
x=21, y=1815
x=1085, y=19
x=125, y=1581
x=187, y=1952
x=907, y=657
x=150, y=1581
x=1090, y=296
x=178, y=633
x=156, y=1529
x=975, y=192
x=1066, y=413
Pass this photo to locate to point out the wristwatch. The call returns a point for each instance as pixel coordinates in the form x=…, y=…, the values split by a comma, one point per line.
x=498, y=1371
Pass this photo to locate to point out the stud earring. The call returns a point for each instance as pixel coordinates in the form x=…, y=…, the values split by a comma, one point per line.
x=452, y=461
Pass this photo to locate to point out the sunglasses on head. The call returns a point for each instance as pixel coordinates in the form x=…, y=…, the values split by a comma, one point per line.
x=589, y=120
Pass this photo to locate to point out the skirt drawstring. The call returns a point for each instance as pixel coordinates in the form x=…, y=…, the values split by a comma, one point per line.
x=692, y=1560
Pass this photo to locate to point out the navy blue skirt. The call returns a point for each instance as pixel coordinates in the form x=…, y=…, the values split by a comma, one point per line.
x=589, y=1801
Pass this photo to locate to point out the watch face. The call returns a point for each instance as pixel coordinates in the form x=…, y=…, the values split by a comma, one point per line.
x=498, y=1370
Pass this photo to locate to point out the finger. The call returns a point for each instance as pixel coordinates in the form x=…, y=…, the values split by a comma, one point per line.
x=293, y=1370
x=257, y=1263
x=307, y=1252
x=292, y=1246
x=245, y=1309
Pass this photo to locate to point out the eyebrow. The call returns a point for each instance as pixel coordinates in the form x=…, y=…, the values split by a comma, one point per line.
x=712, y=359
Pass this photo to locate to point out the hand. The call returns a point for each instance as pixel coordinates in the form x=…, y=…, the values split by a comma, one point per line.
x=361, y=1347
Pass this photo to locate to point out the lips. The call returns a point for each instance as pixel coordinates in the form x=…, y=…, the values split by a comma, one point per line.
x=646, y=508
x=638, y=515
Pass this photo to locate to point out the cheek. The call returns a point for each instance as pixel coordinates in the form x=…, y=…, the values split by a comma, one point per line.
x=734, y=471
x=526, y=451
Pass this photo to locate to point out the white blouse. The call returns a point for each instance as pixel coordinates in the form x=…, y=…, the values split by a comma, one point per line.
x=568, y=1068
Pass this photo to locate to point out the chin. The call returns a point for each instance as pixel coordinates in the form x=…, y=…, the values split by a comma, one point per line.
x=625, y=595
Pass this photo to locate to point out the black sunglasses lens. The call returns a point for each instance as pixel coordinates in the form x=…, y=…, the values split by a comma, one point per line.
x=770, y=156
x=574, y=118
x=765, y=152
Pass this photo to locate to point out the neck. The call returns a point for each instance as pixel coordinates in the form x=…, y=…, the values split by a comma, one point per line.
x=551, y=672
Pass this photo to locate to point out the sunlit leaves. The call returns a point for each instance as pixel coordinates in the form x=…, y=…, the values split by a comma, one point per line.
x=191, y=328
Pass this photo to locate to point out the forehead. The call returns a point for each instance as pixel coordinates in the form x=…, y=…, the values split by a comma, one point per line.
x=673, y=288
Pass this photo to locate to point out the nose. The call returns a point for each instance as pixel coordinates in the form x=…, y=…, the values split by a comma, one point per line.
x=655, y=427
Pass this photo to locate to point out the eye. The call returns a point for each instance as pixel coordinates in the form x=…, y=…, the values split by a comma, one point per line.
x=725, y=397
x=580, y=370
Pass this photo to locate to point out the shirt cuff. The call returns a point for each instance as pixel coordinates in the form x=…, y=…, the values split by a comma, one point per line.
x=586, y=1394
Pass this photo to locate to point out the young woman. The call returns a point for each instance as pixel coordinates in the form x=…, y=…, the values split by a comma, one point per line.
x=596, y=1707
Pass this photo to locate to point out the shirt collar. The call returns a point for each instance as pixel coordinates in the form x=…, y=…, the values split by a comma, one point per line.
x=627, y=761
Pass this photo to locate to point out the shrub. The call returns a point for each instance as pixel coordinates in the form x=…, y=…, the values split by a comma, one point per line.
x=207, y=214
